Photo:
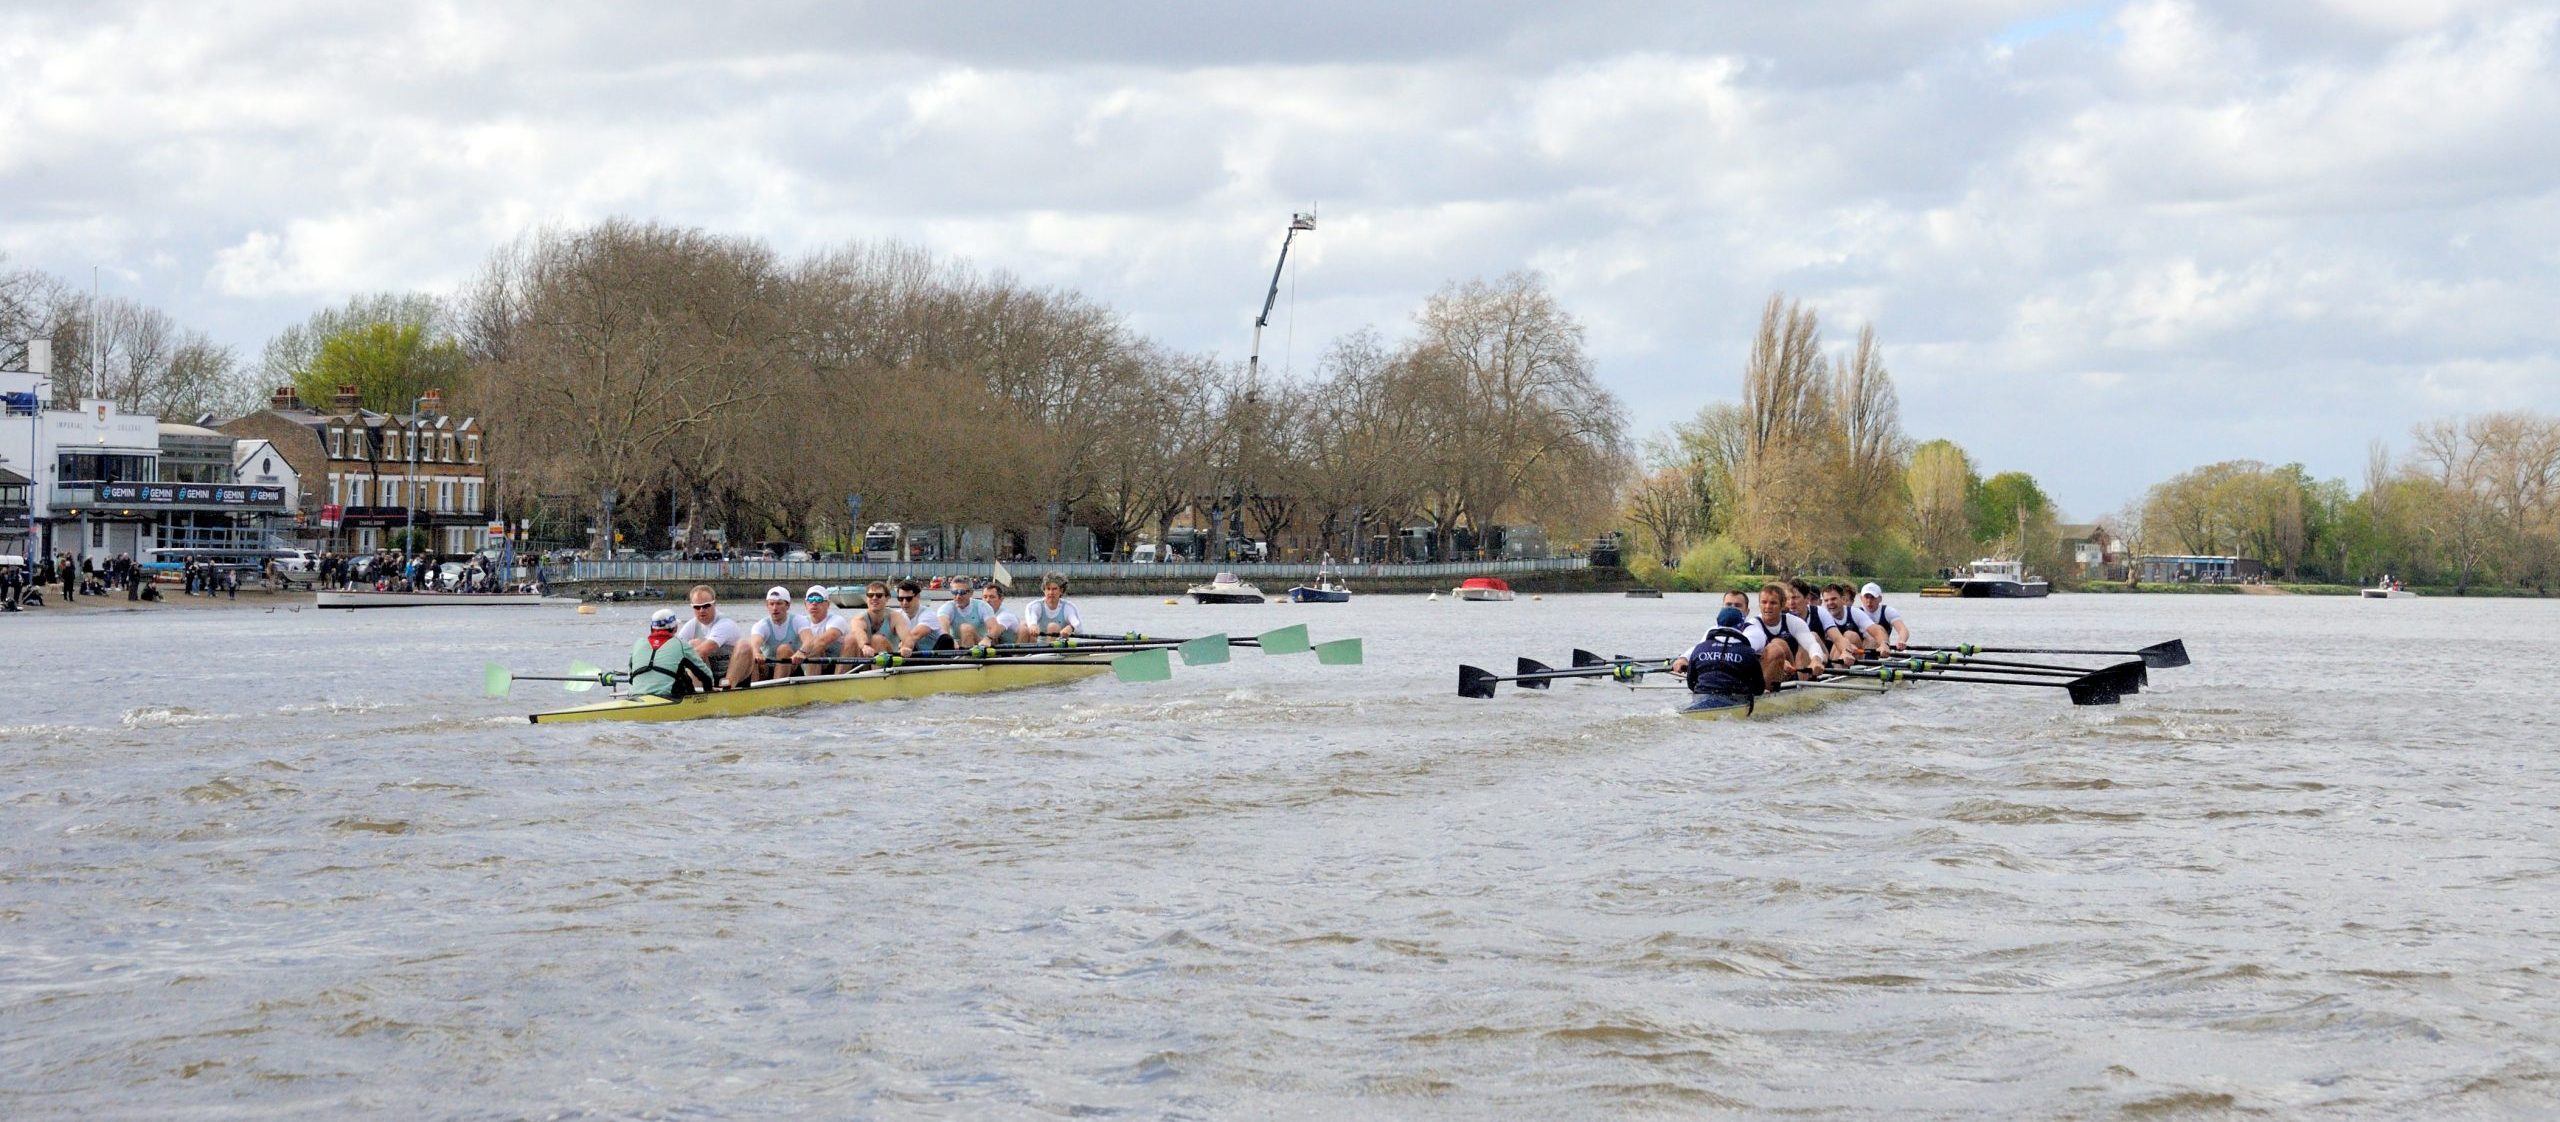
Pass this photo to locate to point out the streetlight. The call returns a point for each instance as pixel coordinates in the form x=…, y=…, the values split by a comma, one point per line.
x=409, y=530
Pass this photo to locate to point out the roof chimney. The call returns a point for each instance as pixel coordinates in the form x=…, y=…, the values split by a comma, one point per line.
x=347, y=400
x=432, y=403
x=284, y=398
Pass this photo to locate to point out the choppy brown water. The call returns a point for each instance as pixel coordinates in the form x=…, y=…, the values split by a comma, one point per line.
x=259, y=865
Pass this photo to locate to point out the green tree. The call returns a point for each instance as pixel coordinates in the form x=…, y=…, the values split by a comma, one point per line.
x=389, y=364
x=1941, y=481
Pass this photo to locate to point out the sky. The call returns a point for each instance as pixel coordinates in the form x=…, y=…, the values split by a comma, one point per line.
x=2100, y=243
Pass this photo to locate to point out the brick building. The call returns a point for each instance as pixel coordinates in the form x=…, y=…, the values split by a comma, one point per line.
x=368, y=476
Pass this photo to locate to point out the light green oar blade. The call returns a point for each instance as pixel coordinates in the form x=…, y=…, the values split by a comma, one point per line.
x=1204, y=651
x=1285, y=640
x=590, y=673
x=1144, y=666
x=496, y=680
x=1340, y=652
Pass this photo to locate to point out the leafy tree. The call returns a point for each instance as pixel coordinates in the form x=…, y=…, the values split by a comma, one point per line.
x=391, y=365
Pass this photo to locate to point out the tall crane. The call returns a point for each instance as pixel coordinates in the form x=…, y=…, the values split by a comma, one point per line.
x=1253, y=364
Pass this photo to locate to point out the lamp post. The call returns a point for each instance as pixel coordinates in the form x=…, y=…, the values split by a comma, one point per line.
x=409, y=508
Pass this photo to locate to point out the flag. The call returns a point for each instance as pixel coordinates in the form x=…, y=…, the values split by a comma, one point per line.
x=1003, y=579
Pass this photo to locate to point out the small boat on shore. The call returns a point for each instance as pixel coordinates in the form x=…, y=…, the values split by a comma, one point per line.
x=1328, y=588
x=1993, y=578
x=368, y=598
x=1482, y=589
x=1226, y=589
x=2387, y=593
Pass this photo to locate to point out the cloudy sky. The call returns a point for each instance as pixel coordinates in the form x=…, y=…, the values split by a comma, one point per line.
x=2101, y=243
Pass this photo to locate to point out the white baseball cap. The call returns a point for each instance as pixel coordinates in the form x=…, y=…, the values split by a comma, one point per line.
x=1872, y=589
x=817, y=592
x=664, y=620
x=777, y=593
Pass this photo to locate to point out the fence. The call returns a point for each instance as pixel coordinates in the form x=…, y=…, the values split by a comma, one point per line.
x=1025, y=575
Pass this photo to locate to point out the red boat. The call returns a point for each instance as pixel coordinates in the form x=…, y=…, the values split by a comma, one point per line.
x=1481, y=588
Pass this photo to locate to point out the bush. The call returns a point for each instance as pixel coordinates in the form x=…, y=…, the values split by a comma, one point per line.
x=1648, y=571
x=1705, y=567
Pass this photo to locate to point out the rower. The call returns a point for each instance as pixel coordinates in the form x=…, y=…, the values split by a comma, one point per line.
x=1738, y=600
x=879, y=628
x=965, y=620
x=1785, y=644
x=1053, y=617
x=1880, y=623
x=924, y=625
x=663, y=667
x=710, y=634
x=824, y=633
x=1801, y=598
x=1723, y=670
x=1831, y=618
x=1008, y=625
x=770, y=640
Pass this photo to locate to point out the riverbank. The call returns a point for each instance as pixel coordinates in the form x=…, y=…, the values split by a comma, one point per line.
x=249, y=598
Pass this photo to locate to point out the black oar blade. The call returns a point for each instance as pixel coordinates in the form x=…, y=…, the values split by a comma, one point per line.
x=1473, y=682
x=1530, y=667
x=2167, y=655
x=2093, y=689
x=1582, y=658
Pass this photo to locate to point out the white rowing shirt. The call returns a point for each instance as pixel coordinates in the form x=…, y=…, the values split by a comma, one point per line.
x=1007, y=623
x=840, y=623
x=1042, y=619
x=1846, y=618
x=770, y=636
x=1862, y=619
x=1789, y=624
x=722, y=632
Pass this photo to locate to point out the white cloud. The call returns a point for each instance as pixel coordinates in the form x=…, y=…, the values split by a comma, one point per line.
x=2071, y=226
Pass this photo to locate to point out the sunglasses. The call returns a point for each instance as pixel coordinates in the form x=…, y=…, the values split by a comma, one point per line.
x=704, y=607
x=874, y=595
x=906, y=596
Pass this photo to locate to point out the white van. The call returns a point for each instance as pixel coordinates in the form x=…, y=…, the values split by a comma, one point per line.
x=1147, y=553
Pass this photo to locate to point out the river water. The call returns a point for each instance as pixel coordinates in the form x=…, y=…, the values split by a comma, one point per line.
x=291, y=864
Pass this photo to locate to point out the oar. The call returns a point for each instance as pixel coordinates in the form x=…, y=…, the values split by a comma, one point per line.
x=497, y=679
x=2125, y=677
x=1476, y=682
x=2141, y=668
x=2089, y=689
x=2161, y=655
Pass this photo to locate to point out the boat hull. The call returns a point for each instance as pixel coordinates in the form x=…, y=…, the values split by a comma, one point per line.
x=871, y=685
x=367, y=598
x=1483, y=595
x=1794, y=699
x=1305, y=595
x=2388, y=594
x=2001, y=589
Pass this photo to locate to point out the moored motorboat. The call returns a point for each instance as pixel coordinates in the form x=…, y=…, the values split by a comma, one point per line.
x=868, y=685
x=1328, y=588
x=1997, y=579
x=1482, y=589
x=2388, y=593
x=368, y=598
x=1226, y=589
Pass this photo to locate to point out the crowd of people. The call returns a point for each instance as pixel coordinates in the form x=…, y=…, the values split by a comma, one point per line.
x=398, y=571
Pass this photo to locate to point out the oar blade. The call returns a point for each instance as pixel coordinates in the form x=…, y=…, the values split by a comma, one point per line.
x=496, y=680
x=1143, y=666
x=1473, y=682
x=2093, y=689
x=2129, y=677
x=588, y=677
x=1529, y=667
x=2166, y=656
x=1582, y=658
x=1284, y=640
x=1338, y=652
x=1207, y=650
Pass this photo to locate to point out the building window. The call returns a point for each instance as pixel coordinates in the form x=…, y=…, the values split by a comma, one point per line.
x=448, y=448
x=471, y=495
x=333, y=490
x=337, y=443
x=444, y=497
x=97, y=535
x=475, y=449
x=355, y=491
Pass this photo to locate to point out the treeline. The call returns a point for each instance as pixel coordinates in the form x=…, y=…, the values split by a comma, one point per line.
x=2475, y=502
x=705, y=373
x=1811, y=472
x=135, y=355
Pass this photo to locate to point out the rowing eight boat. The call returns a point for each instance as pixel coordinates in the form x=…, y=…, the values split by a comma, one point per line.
x=868, y=685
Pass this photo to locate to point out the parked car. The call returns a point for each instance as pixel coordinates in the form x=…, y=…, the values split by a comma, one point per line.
x=297, y=562
x=797, y=555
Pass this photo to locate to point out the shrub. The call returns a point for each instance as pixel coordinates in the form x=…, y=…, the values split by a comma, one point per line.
x=1706, y=566
x=1648, y=571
